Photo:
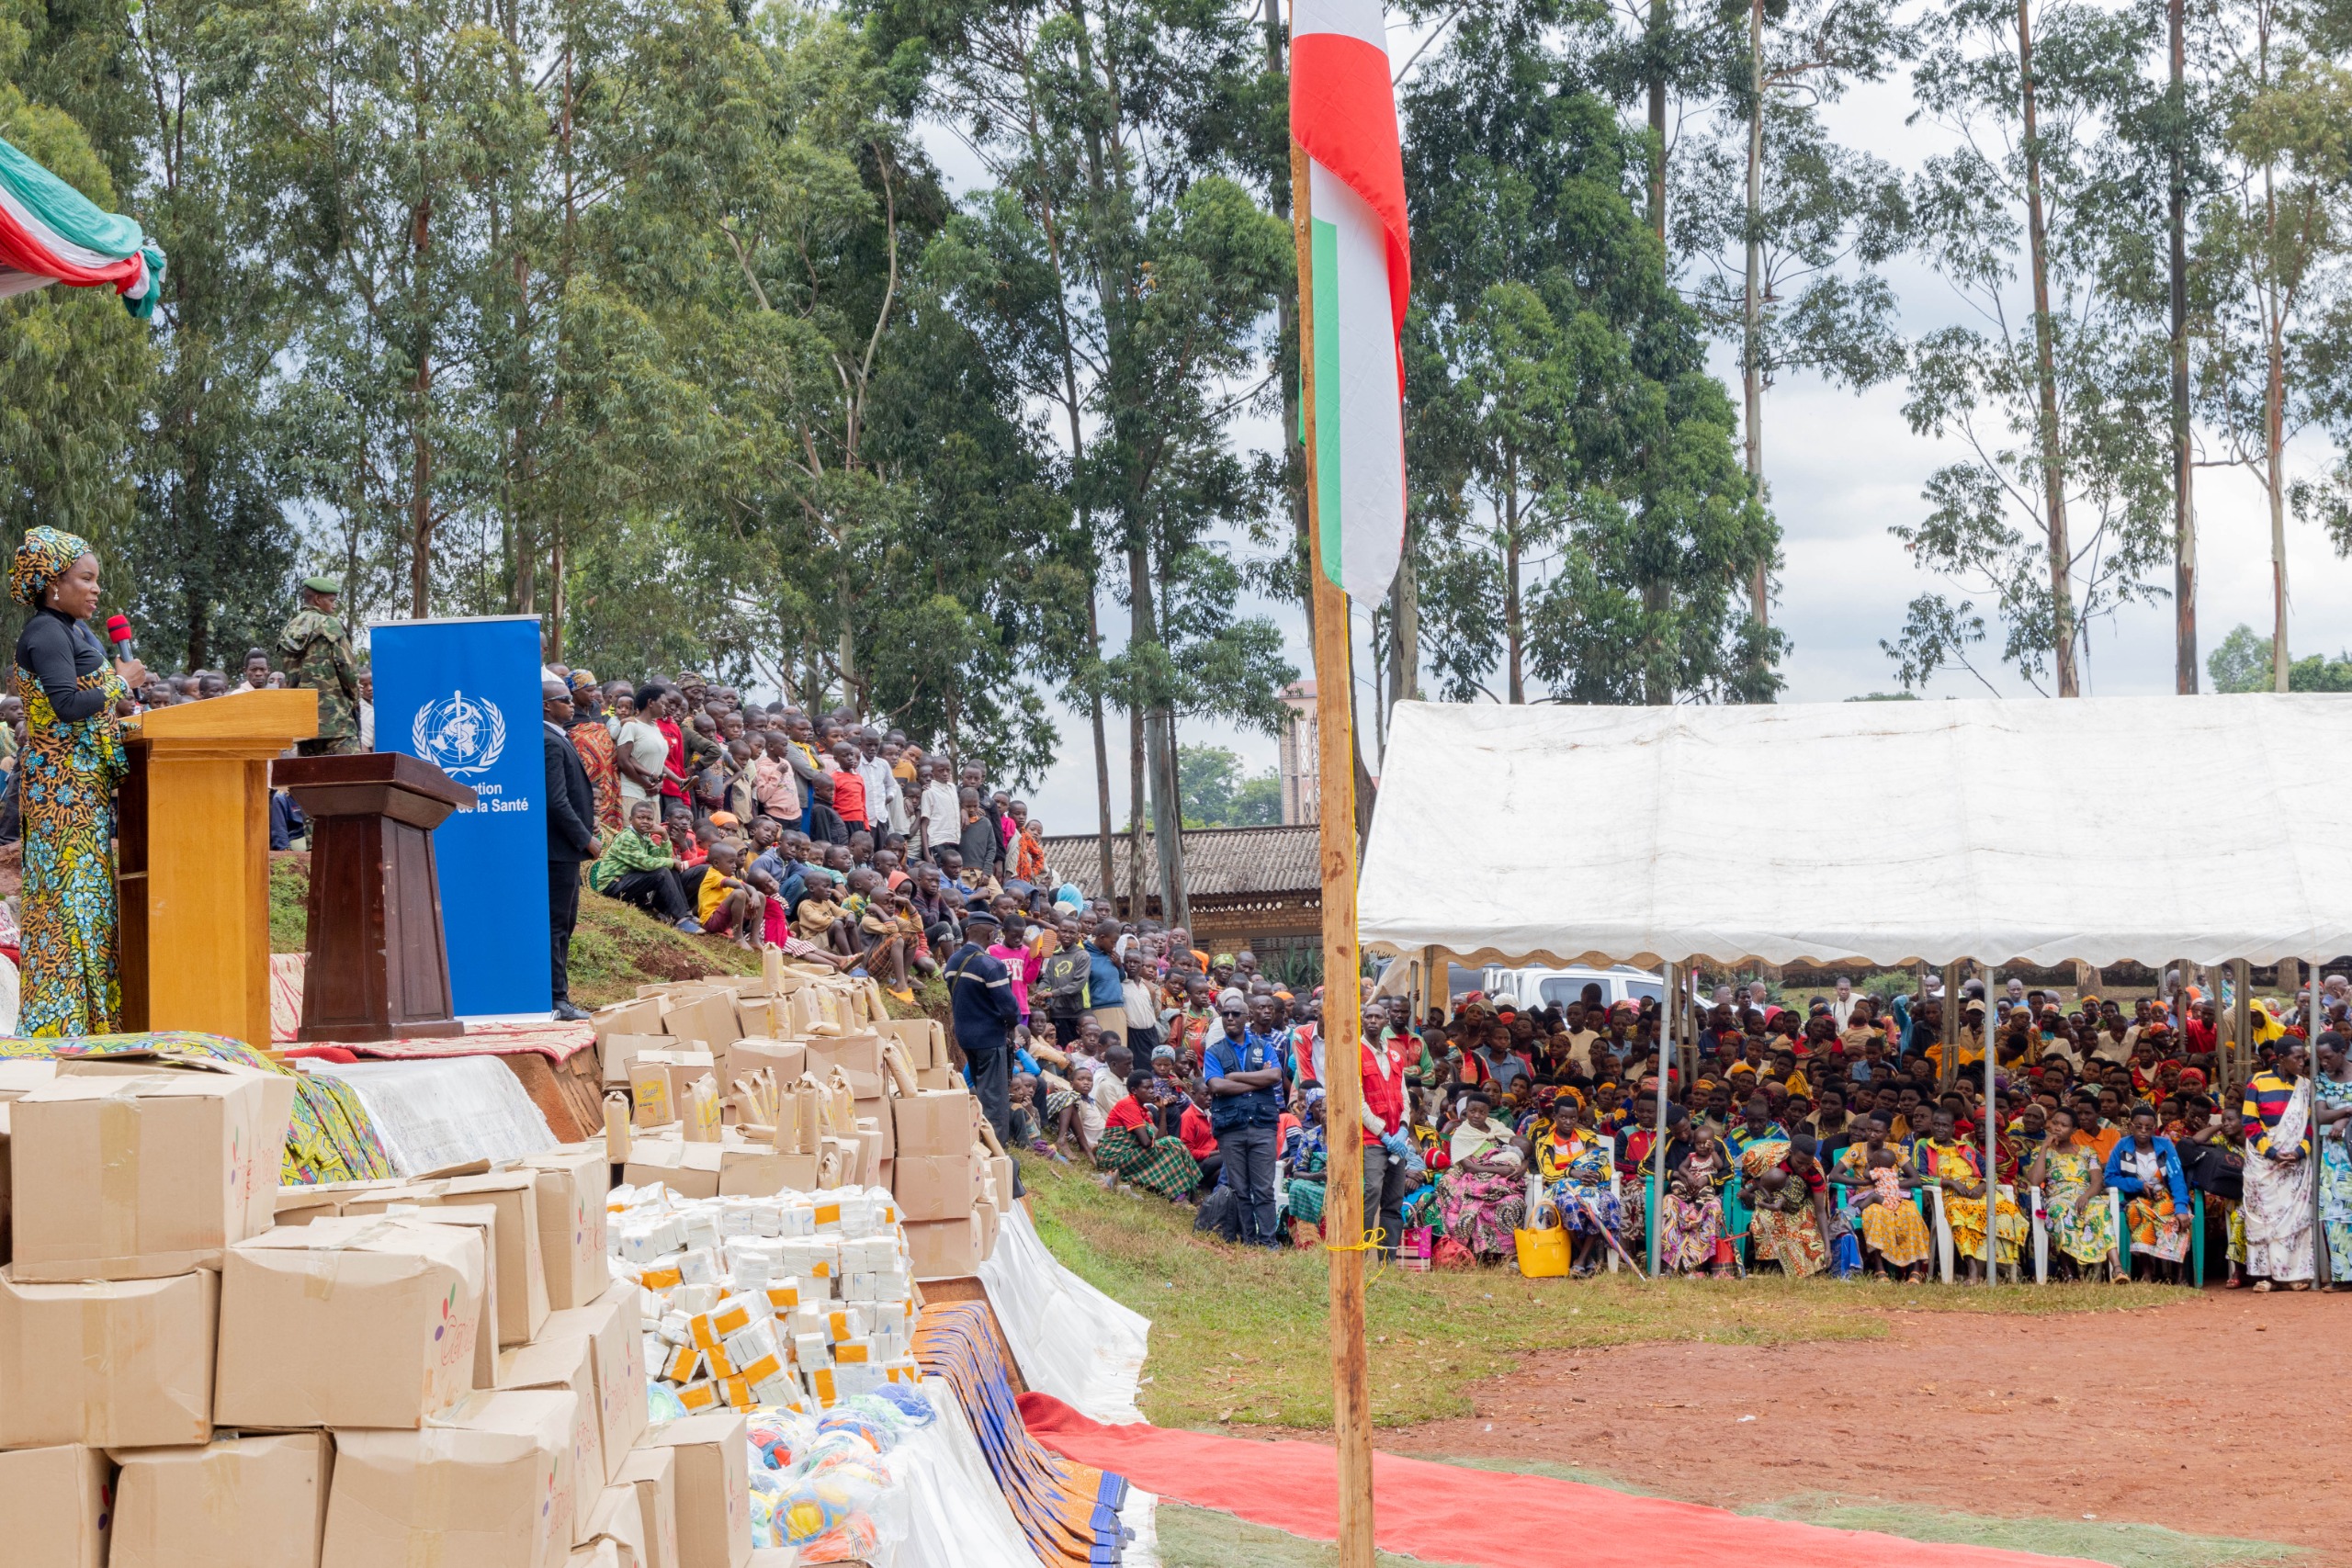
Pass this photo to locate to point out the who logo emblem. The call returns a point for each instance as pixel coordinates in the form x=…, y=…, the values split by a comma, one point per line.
x=459, y=734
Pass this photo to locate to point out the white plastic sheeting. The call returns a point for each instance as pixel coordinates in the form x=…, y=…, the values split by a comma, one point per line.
x=1068, y=1338
x=961, y=1519
x=2100, y=829
x=433, y=1112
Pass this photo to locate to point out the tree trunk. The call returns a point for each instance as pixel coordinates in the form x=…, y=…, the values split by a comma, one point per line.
x=1404, y=633
x=2184, y=517
x=1514, y=631
x=2274, y=427
x=1661, y=17
x=420, y=499
x=1102, y=758
x=1135, y=813
x=1759, y=584
x=1168, y=822
x=2053, y=472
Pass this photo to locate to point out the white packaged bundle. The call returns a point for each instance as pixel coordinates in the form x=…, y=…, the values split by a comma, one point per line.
x=750, y=1346
x=641, y=1241
x=814, y=1257
x=702, y=1229
x=782, y=1391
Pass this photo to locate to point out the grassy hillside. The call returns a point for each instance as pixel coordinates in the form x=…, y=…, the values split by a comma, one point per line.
x=615, y=950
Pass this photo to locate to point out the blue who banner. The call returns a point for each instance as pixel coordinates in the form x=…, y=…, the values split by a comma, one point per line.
x=464, y=694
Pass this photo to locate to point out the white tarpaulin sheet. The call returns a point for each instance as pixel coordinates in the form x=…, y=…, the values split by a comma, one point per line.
x=1068, y=1338
x=2102, y=829
x=433, y=1113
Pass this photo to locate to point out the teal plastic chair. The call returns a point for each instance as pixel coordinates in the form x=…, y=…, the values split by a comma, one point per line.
x=1738, y=1218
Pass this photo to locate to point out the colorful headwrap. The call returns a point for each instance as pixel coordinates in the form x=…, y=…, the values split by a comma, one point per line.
x=40, y=561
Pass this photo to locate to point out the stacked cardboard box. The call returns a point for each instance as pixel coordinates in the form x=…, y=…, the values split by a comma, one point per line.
x=200, y=1370
x=819, y=1089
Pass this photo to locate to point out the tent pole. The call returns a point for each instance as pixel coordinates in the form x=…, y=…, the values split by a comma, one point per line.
x=1342, y=993
x=1658, y=1138
x=1991, y=1150
x=2240, y=1025
x=1950, y=1073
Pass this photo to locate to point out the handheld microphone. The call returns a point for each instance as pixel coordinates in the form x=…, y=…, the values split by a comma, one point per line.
x=119, y=633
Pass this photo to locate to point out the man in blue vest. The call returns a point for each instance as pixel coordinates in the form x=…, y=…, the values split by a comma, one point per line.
x=979, y=992
x=1244, y=1069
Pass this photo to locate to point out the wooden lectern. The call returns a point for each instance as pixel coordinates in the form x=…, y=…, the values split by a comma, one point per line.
x=379, y=961
x=193, y=862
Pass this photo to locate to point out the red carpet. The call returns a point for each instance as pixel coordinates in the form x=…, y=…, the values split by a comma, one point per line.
x=1444, y=1513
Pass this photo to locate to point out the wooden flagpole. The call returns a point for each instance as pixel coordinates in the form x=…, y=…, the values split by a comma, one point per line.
x=1342, y=993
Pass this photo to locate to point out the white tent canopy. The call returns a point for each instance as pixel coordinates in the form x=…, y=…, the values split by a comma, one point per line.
x=2101, y=829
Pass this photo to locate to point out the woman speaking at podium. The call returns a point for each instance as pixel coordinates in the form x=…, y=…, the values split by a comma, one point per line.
x=73, y=756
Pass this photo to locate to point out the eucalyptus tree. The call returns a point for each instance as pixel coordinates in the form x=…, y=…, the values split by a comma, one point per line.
x=1588, y=523
x=1789, y=231
x=1120, y=141
x=2059, y=507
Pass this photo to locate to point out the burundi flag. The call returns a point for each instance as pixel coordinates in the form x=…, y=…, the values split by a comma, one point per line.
x=50, y=233
x=1343, y=114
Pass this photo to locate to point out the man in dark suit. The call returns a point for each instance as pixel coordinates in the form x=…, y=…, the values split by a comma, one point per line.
x=979, y=996
x=572, y=837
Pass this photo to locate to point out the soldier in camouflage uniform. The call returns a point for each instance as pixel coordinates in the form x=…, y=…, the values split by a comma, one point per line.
x=316, y=652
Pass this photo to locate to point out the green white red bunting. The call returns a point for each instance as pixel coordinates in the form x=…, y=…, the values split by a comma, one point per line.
x=50, y=233
x=1343, y=113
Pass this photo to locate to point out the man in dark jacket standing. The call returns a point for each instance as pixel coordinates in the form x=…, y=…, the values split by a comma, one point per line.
x=979, y=992
x=571, y=838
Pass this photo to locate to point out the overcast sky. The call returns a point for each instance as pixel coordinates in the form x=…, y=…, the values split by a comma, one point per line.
x=1841, y=468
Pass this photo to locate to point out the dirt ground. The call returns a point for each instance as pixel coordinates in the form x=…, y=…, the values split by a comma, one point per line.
x=2141, y=1416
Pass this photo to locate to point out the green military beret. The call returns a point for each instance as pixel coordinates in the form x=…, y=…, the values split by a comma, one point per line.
x=323, y=584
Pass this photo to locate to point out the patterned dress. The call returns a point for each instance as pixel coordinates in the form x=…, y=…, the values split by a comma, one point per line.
x=1155, y=1163
x=1482, y=1204
x=1579, y=1167
x=1958, y=1161
x=2087, y=1237
x=1783, y=1226
x=1690, y=1221
x=70, y=769
x=594, y=744
x=1890, y=1227
x=2336, y=1180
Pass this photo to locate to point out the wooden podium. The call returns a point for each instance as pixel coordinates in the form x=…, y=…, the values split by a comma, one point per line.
x=193, y=862
x=380, y=960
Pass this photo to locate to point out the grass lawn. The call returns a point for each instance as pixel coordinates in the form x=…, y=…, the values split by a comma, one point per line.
x=1240, y=1336
x=1200, y=1538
